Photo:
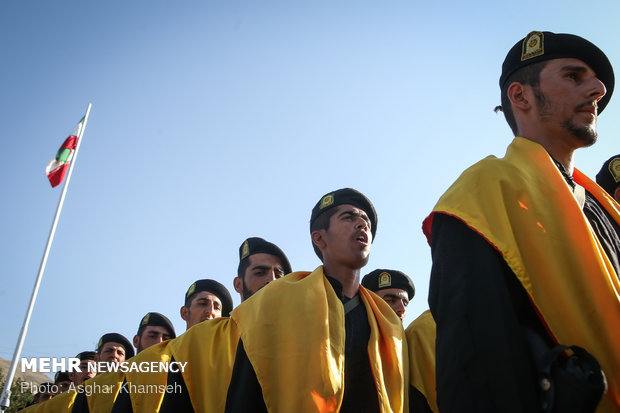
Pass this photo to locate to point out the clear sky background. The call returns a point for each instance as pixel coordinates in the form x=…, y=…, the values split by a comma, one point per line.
x=214, y=121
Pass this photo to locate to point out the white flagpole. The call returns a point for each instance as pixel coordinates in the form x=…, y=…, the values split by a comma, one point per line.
x=6, y=393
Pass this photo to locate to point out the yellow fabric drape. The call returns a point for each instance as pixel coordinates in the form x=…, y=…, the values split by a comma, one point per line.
x=102, y=401
x=209, y=349
x=294, y=335
x=148, y=401
x=421, y=337
x=61, y=403
x=522, y=205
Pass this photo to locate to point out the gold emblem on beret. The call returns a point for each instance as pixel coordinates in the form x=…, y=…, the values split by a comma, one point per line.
x=327, y=201
x=385, y=279
x=145, y=319
x=191, y=289
x=533, y=45
x=245, y=250
x=614, y=169
x=100, y=343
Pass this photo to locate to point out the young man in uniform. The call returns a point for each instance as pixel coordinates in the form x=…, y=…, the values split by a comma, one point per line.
x=113, y=348
x=205, y=300
x=322, y=353
x=153, y=329
x=260, y=262
x=525, y=248
x=395, y=287
x=87, y=368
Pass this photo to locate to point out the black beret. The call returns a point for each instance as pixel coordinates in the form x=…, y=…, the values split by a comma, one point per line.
x=609, y=175
x=61, y=376
x=86, y=355
x=116, y=338
x=213, y=287
x=157, y=319
x=380, y=279
x=540, y=46
x=256, y=245
x=346, y=196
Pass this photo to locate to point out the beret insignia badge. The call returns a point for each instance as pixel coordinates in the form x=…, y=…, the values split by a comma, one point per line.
x=245, y=250
x=327, y=201
x=145, y=319
x=533, y=45
x=191, y=289
x=385, y=280
x=614, y=169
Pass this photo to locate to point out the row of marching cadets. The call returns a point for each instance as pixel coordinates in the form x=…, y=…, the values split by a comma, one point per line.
x=524, y=289
x=247, y=359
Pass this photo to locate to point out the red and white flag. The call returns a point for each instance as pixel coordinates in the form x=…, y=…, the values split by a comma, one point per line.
x=57, y=168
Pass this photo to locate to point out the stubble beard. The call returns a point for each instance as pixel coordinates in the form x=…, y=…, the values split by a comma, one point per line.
x=246, y=292
x=587, y=135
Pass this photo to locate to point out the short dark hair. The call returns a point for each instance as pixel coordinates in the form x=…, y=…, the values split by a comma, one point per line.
x=322, y=222
x=528, y=75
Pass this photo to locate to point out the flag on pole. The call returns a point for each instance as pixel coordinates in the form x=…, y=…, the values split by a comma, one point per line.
x=57, y=168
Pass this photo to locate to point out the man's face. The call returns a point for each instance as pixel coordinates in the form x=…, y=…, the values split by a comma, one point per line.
x=43, y=396
x=150, y=336
x=79, y=377
x=262, y=269
x=566, y=101
x=347, y=241
x=204, y=306
x=63, y=386
x=111, y=352
x=397, y=299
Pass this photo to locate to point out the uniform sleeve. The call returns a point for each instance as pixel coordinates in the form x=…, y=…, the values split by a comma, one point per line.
x=244, y=392
x=81, y=404
x=483, y=364
x=176, y=401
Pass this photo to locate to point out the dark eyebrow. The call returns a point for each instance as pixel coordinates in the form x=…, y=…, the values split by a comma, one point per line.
x=574, y=68
x=395, y=296
x=355, y=214
x=260, y=267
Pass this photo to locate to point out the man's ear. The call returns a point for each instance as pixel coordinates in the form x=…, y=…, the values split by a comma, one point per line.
x=136, y=340
x=617, y=194
x=238, y=284
x=519, y=96
x=97, y=357
x=318, y=239
x=184, y=313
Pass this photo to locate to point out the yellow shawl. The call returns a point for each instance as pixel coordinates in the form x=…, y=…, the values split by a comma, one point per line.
x=61, y=403
x=100, y=401
x=421, y=336
x=209, y=349
x=294, y=335
x=148, y=401
x=522, y=205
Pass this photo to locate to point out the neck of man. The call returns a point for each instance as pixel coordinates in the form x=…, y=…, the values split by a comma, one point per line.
x=348, y=277
x=561, y=149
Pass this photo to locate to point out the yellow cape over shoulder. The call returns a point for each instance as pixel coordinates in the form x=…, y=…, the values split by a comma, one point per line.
x=421, y=337
x=294, y=335
x=522, y=205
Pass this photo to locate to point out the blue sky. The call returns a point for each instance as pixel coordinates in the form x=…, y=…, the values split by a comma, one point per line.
x=213, y=121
